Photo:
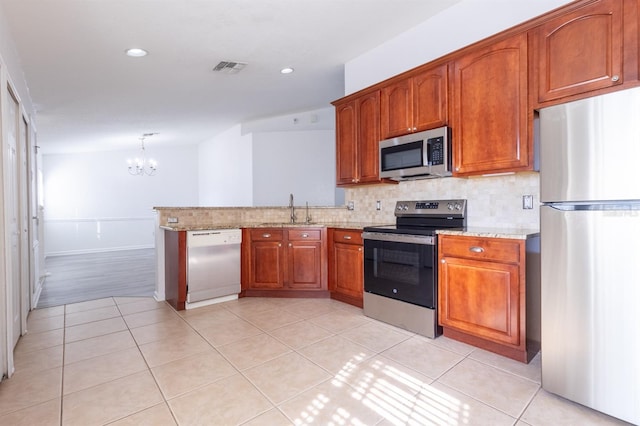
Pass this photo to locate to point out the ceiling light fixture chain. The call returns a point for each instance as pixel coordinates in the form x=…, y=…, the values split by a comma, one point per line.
x=141, y=166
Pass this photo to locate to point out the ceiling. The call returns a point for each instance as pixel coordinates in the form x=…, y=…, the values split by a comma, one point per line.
x=89, y=96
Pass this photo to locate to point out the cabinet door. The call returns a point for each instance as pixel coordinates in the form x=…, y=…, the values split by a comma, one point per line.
x=414, y=103
x=580, y=51
x=304, y=265
x=346, y=144
x=480, y=298
x=490, y=116
x=430, y=98
x=266, y=265
x=396, y=109
x=368, y=114
x=348, y=267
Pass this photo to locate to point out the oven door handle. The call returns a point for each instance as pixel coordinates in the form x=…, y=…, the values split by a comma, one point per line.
x=426, y=240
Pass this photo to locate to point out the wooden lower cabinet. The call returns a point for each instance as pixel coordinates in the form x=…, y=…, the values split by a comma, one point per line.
x=285, y=262
x=266, y=254
x=346, y=265
x=484, y=296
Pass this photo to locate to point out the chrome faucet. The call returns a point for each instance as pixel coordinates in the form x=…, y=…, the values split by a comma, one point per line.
x=308, y=218
x=293, y=209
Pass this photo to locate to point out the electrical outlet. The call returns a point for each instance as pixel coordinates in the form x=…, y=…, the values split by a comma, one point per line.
x=378, y=205
x=527, y=202
x=351, y=205
x=172, y=220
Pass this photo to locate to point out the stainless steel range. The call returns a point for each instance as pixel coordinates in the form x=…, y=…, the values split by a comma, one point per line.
x=400, y=264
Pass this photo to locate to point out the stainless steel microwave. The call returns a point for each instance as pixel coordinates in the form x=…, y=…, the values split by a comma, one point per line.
x=419, y=155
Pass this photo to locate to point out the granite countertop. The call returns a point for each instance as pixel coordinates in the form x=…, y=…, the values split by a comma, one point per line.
x=472, y=231
x=203, y=227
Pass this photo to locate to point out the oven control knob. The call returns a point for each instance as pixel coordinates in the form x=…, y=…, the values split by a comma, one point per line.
x=450, y=206
x=458, y=206
x=405, y=207
x=399, y=207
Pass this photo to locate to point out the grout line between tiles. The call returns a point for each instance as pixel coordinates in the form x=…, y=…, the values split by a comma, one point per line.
x=291, y=350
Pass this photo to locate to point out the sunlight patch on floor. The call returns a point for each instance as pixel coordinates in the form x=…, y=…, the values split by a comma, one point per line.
x=395, y=395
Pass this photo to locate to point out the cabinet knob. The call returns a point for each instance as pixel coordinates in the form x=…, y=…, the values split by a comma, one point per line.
x=290, y=245
x=615, y=78
x=347, y=237
x=443, y=261
x=279, y=244
x=359, y=248
x=266, y=235
x=476, y=249
x=457, y=169
x=305, y=235
x=415, y=128
x=408, y=129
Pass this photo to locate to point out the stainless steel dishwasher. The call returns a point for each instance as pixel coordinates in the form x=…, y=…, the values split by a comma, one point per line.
x=214, y=264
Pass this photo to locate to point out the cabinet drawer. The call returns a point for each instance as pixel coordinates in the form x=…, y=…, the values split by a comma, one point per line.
x=266, y=234
x=347, y=236
x=495, y=249
x=304, y=235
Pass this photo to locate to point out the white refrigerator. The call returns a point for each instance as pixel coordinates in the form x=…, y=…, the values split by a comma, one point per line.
x=590, y=252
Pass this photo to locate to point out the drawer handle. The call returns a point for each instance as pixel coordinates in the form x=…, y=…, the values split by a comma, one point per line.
x=476, y=249
x=266, y=235
x=305, y=235
x=347, y=237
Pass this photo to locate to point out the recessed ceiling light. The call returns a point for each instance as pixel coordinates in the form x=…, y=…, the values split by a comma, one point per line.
x=136, y=52
x=287, y=70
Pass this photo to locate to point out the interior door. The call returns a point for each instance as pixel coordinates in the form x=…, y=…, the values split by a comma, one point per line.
x=23, y=208
x=34, y=215
x=13, y=216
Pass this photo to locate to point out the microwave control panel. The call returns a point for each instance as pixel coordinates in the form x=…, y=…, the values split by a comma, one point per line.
x=436, y=148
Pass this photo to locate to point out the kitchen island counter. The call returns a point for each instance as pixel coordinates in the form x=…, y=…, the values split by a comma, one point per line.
x=204, y=227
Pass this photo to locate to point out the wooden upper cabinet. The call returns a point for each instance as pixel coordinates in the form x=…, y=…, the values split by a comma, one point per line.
x=346, y=144
x=490, y=117
x=368, y=115
x=357, y=138
x=580, y=51
x=414, y=103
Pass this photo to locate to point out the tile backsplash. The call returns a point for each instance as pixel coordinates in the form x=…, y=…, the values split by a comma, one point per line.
x=493, y=201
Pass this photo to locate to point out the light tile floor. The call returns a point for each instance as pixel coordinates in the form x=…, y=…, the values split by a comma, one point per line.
x=262, y=361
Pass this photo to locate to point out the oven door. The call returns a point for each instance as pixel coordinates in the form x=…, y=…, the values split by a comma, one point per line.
x=401, y=267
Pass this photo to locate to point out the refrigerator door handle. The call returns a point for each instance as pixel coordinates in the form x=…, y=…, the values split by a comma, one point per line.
x=596, y=206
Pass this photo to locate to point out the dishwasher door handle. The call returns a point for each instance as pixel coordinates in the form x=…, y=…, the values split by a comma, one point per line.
x=204, y=234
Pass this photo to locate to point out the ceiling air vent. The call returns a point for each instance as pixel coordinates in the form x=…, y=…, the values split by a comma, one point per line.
x=229, y=67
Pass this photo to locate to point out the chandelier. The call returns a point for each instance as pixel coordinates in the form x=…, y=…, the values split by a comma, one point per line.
x=141, y=166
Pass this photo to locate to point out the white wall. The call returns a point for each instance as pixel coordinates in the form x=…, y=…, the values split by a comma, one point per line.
x=301, y=163
x=93, y=204
x=462, y=24
x=225, y=173
x=259, y=163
